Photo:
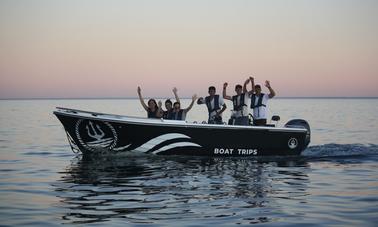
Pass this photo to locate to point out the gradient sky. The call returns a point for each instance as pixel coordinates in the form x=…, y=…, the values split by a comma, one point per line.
x=93, y=48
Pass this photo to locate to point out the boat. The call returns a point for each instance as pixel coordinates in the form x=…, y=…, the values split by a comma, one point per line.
x=100, y=133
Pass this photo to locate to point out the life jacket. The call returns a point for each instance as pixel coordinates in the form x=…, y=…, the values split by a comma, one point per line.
x=151, y=114
x=167, y=115
x=241, y=103
x=216, y=103
x=177, y=115
x=259, y=101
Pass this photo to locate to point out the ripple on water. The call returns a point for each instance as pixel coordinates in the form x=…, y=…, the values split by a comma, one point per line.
x=144, y=191
x=334, y=150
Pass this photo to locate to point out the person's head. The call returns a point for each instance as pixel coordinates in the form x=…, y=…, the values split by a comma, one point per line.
x=152, y=104
x=258, y=89
x=176, y=106
x=168, y=104
x=238, y=89
x=212, y=90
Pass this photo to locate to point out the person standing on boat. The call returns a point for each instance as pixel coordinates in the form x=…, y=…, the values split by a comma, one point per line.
x=215, y=106
x=153, y=110
x=240, y=113
x=168, y=105
x=180, y=114
x=259, y=101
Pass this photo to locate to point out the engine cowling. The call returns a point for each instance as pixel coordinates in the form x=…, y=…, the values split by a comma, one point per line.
x=300, y=123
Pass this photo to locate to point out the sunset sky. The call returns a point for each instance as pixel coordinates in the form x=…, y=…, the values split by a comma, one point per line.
x=106, y=48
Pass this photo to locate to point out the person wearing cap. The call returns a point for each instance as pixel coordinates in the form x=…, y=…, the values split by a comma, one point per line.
x=240, y=102
x=259, y=101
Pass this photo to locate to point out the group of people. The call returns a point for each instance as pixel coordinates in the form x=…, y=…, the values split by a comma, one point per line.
x=242, y=101
x=172, y=112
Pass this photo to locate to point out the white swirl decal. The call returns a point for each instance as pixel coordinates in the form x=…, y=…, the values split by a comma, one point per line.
x=146, y=147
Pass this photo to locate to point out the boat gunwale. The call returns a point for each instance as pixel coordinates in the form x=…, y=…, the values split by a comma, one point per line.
x=162, y=122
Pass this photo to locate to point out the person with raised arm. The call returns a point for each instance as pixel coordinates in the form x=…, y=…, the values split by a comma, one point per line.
x=153, y=109
x=259, y=101
x=240, y=112
x=215, y=106
x=180, y=114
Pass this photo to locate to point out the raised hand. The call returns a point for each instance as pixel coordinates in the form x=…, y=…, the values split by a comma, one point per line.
x=251, y=78
x=141, y=99
x=267, y=84
x=225, y=85
x=247, y=81
x=272, y=92
x=194, y=97
x=174, y=90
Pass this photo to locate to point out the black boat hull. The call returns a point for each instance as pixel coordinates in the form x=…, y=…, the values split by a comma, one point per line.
x=93, y=133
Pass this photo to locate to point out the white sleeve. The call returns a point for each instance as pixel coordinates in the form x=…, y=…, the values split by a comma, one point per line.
x=246, y=98
x=266, y=96
x=221, y=101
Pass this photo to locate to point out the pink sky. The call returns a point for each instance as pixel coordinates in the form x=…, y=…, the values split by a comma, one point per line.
x=107, y=48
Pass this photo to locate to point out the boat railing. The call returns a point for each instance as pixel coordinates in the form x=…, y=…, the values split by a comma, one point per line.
x=171, y=122
x=95, y=114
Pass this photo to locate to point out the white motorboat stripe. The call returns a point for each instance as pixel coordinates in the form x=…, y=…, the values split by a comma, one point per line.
x=175, y=145
x=160, y=139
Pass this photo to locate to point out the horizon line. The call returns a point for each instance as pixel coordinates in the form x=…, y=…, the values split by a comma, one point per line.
x=91, y=98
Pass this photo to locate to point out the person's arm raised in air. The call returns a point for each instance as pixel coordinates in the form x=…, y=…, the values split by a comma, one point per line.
x=160, y=111
x=250, y=79
x=253, y=85
x=141, y=99
x=194, y=98
x=251, y=92
x=225, y=96
x=175, y=93
x=245, y=86
x=272, y=93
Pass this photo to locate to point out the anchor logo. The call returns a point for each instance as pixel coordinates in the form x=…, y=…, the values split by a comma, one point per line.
x=96, y=135
x=293, y=143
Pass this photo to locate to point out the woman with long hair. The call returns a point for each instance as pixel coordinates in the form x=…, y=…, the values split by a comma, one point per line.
x=153, y=109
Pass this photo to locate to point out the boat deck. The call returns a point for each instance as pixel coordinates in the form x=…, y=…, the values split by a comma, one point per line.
x=164, y=122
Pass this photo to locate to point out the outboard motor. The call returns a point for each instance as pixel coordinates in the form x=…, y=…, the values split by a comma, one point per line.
x=300, y=123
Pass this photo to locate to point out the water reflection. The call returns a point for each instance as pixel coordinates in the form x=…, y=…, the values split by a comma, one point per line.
x=155, y=189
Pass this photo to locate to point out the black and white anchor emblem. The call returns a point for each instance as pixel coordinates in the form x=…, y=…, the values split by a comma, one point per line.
x=293, y=143
x=95, y=135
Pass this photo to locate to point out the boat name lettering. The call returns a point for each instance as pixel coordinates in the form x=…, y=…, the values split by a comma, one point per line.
x=236, y=151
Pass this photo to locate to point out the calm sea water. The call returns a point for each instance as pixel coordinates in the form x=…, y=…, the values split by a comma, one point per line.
x=333, y=183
